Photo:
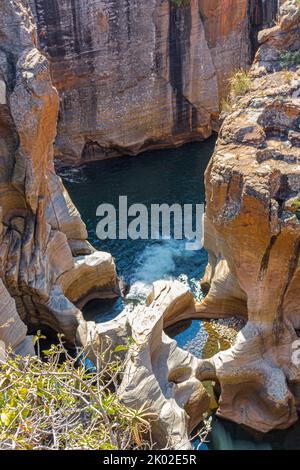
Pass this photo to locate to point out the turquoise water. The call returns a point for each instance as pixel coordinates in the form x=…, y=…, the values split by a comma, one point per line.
x=164, y=176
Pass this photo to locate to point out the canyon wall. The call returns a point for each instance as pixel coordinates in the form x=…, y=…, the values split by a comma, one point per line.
x=134, y=75
x=252, y=235
x=44, y=253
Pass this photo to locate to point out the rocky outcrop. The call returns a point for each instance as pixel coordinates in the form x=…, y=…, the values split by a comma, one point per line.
x=48, y=269
x=40, y=227
x=137, y=75
x=252, y=234
x=159, y=377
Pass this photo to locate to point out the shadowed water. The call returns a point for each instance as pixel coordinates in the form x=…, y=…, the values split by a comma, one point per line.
x=160, y=177
x=164, y=176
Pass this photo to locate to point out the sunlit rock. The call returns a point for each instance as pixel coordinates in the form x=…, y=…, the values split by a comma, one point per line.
x=252, y=234
x=38, y=218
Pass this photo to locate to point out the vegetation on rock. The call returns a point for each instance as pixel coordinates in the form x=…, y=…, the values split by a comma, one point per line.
x=59, y=404
x=239, y=84
x=289, y=59
x=296, y=207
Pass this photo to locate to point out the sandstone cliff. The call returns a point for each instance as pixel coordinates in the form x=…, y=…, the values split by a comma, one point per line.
x=41, y=233
x=142, y=74
x=252, y=234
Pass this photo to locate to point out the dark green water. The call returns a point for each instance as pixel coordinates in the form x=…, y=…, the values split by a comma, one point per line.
x=164, y=176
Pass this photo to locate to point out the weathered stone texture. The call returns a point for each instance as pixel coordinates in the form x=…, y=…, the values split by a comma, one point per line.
x=252, y=234
x=137, y=75
x=39, y=224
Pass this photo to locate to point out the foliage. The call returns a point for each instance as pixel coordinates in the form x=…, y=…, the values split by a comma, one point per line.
x=226, y=106
x=296, y=208
x=288, y=76
x=239, y=84
x=289, y=59
x=58, y=404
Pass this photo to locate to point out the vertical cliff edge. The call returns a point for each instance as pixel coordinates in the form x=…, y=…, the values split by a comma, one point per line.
x=252, y=235
x=133, y=75
x=44, y=253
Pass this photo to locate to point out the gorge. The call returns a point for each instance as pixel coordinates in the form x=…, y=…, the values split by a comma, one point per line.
x=88, y=80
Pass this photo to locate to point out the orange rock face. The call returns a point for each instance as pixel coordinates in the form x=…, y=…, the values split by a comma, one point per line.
x=253, y=236
x=40, y=229
x=137, y=75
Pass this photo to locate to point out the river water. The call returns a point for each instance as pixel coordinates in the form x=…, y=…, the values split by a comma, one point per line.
x=173, y=176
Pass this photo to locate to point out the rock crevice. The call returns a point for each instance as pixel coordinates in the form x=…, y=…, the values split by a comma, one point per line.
x=138, y=75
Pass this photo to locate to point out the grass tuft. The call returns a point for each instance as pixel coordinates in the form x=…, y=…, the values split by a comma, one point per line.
x=239, y=84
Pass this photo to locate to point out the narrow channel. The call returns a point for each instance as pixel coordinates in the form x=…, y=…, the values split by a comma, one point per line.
x=172, y=176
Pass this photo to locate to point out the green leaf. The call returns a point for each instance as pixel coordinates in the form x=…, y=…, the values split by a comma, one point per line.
x=23, y=392
x=7, y=417
x=120, y=348
x=107, y=446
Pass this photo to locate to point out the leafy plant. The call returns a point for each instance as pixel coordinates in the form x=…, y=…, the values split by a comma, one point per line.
x=226, y=105
x=288, y=76
x=239, y=84
x=289, y=59
x=60, y=405
x=296, y=208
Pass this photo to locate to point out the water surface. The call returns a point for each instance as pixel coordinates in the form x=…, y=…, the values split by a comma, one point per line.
x=164, y=176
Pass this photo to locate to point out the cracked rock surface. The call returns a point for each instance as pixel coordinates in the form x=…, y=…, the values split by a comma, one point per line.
x=252, y=234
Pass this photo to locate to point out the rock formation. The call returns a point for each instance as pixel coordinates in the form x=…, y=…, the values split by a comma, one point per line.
x=136, y=75
x=41, y=231
x=48, y=270
x=159, y=377
x=252, y=234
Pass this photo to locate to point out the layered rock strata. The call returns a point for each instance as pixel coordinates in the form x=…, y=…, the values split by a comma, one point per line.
x=252, y=234
x=136, y=75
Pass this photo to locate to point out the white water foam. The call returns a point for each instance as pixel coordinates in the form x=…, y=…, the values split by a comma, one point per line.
x=157, y=261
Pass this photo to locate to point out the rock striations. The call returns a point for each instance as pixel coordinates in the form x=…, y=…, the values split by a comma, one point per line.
x=252, y=234
x=133, y=75
x=41, y=232
x=129, y=86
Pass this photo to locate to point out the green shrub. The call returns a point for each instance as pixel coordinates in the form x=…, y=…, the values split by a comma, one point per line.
x=239, y=84
x=57, y=404
x=296, y=208
x=289, y=59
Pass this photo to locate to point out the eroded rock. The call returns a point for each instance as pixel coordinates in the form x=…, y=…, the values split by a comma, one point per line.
x=40, y=227
x=158, y=376
x=252, y=234
x=136, y=75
